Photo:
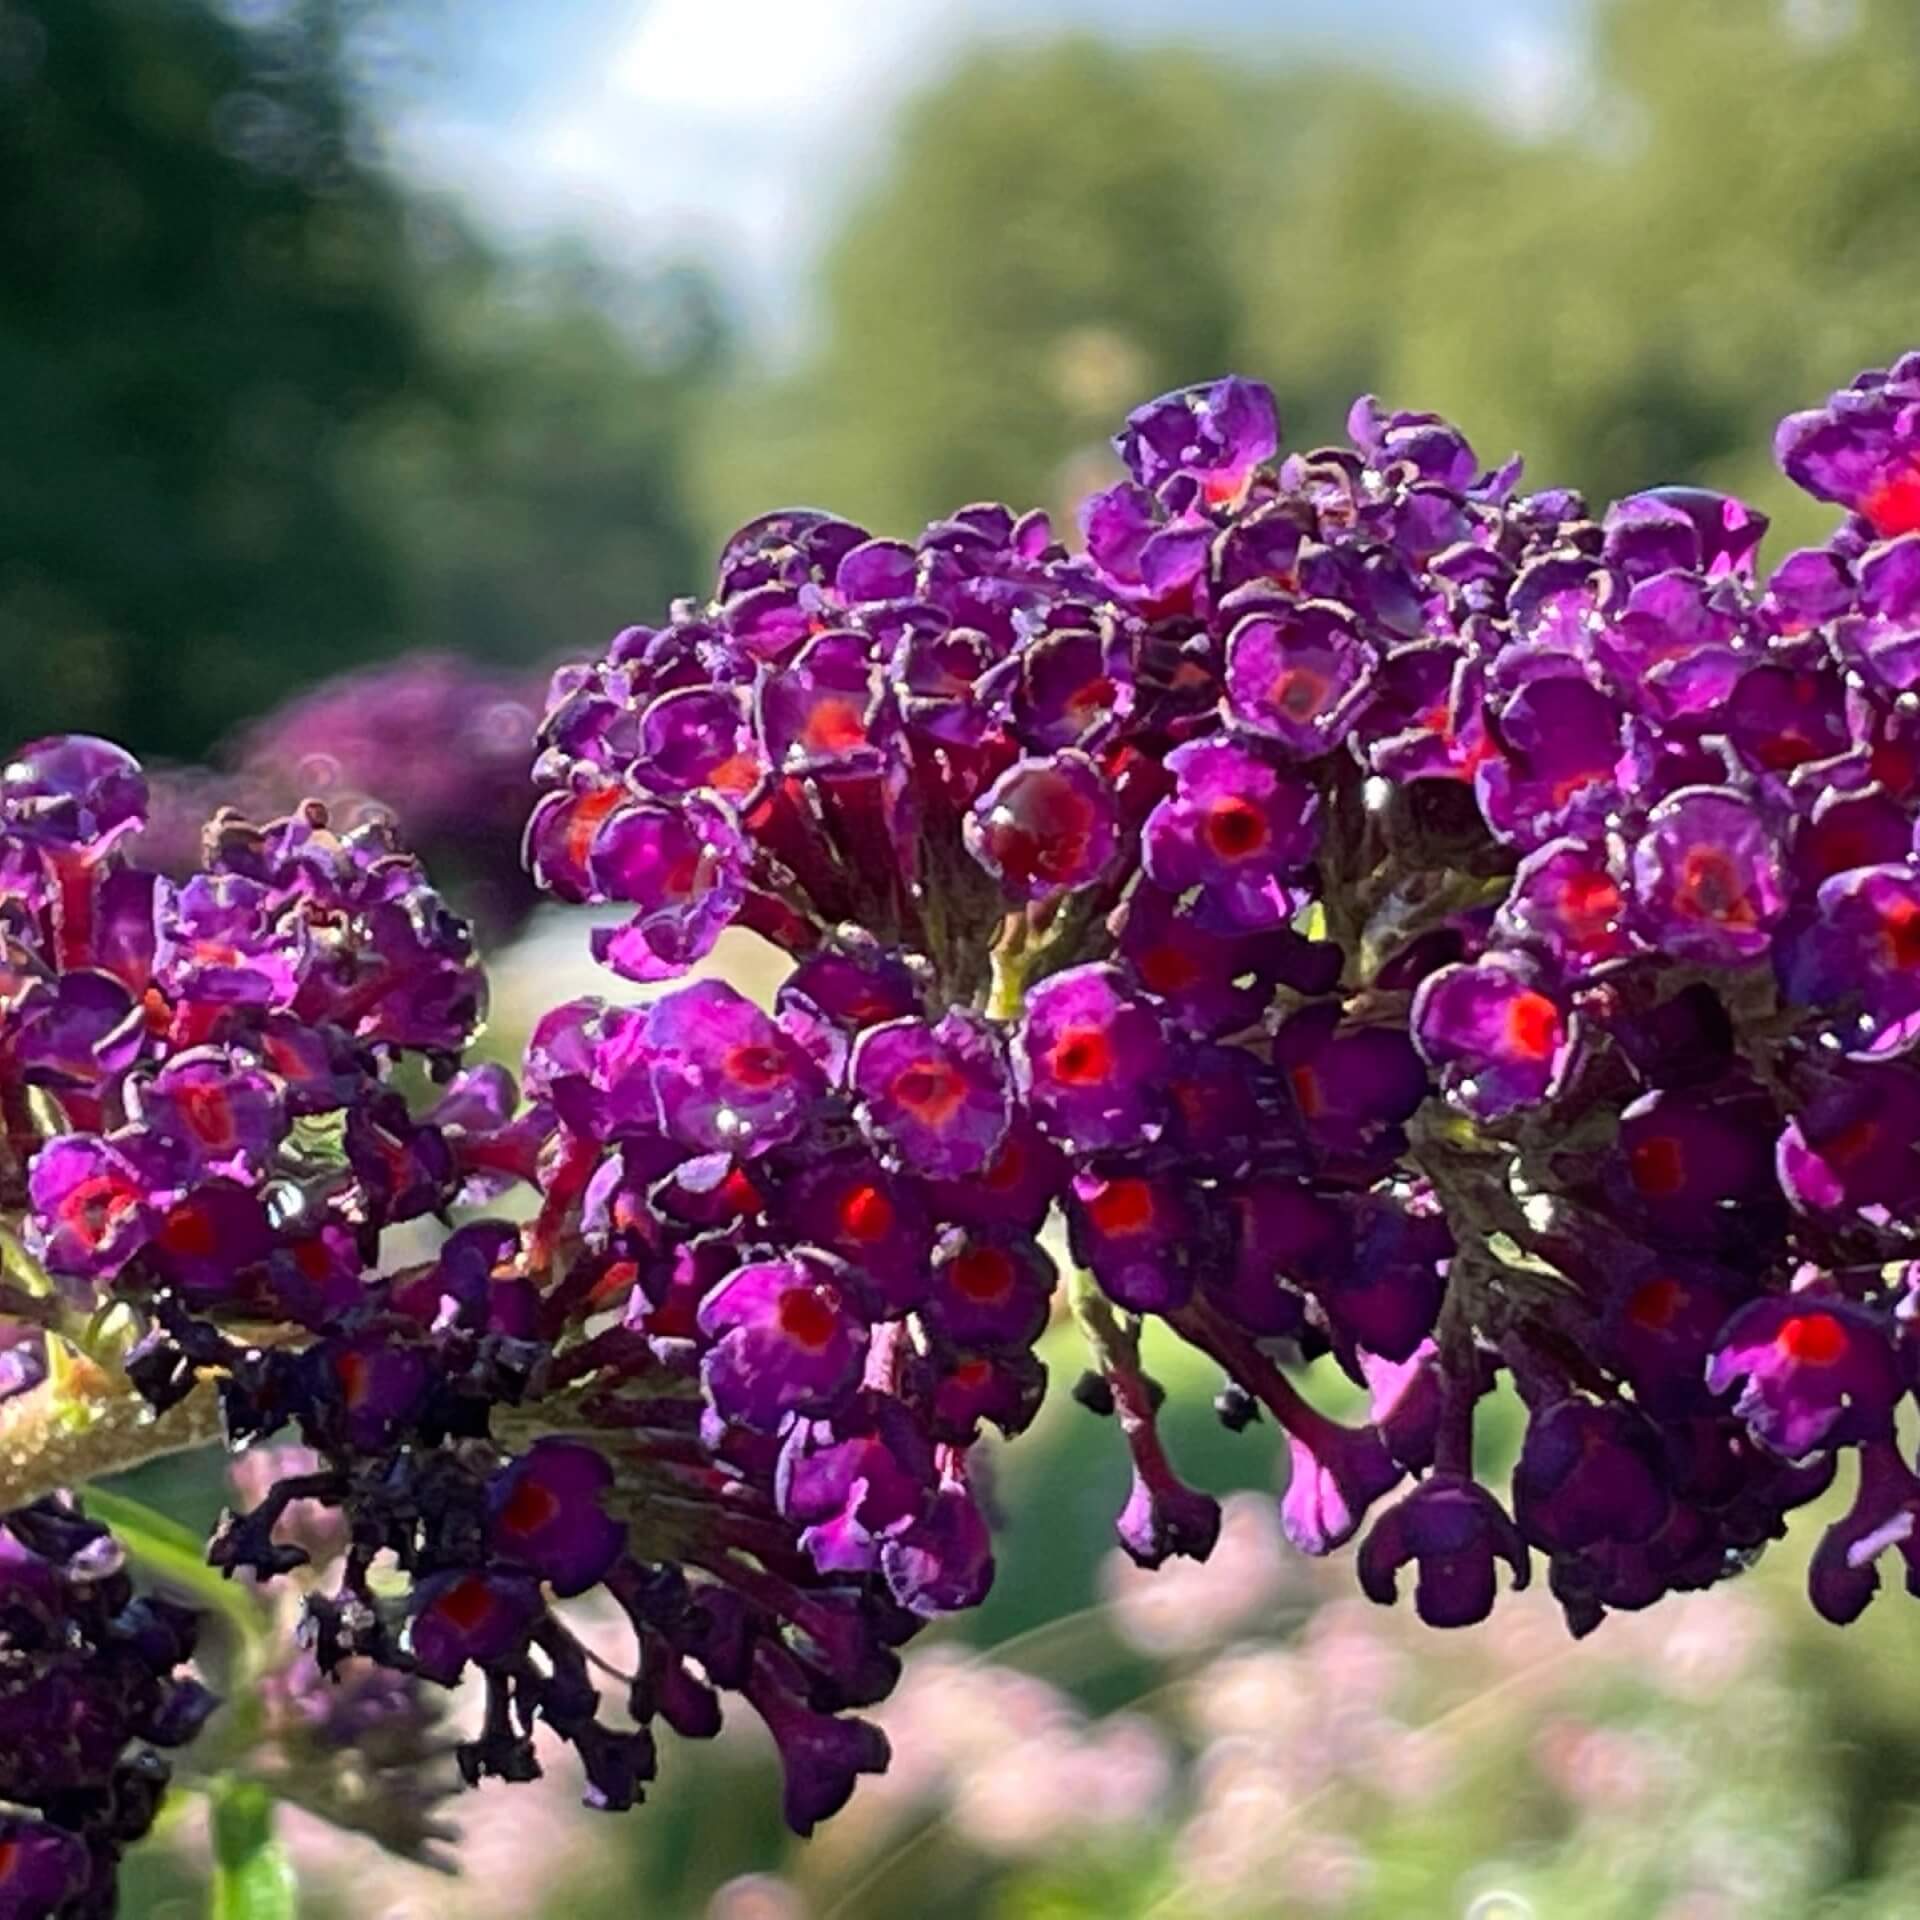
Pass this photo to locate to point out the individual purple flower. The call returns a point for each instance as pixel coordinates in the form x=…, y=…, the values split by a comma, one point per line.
x=1136, y=1234
x=682, y=865
x=1452, y=1532
x=1088, y=1059
x=1237, y=828
x=1568, y=898
x=1691, y=529
x=933, y=1097
x=1046, y=827
x=1213, y=982
x=942, y=1562
x=1162, y=1517
x=546, y=1514
x=1852, y=1144
x=1674, y=649
x=478, y=1617
x=1384, y=1293
x=1816, y=1373
x=786, y=1339
x=77, y=1031
x=220, y=942
x=1405, y=1401
x=821, y=1755
x=369, y=1386
x=219, y=1112
x=990, y=1291
x=1499, y=1042
x=1842, y=1577
x=875, y=1221
x=1662, y=1316
x=724, y=1075
x=1864, y=945
x=823, y=713
x=1016, y=1188
x=1780, y=717
x=1559, y=773
x=73, y=789
x=832, y=995
x=1696, y=1164
x=1862, y=449
x=1336, y=1474
x=1072, y=688
x=1298, y=678
x=91, y=1207
x=208, y=1237
x=850, y=1482
x=1218, y=432
x=1706, y=878
x=1003, y=1389
x=1352, y=1085
x=1284, y=1237
x=42, y=1868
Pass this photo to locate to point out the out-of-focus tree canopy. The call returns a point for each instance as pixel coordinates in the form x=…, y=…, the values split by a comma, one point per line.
x=1049, y=239
x=265, y=414
x=204, y=293
x=1724, y=227
x=551, y=506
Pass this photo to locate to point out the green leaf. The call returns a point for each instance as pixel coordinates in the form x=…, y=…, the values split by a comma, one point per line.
x=252, y=1877
x=174, y=1557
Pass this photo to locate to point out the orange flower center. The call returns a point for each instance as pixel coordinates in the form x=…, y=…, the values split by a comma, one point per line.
x=807, y=1320
x=1122, y=1207
x=1235, y=828
x=1813, y=1339
x=1081, y=1057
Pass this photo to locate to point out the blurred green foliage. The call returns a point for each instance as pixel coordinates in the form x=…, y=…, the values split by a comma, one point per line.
x=267, y=413
x=1725, y=226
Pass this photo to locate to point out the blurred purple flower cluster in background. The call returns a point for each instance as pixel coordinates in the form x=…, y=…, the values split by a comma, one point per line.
x=432, y=740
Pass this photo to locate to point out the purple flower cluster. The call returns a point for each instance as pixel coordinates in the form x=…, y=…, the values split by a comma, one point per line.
x=1392, y=916
x=1392, y=926
x=90, y=1685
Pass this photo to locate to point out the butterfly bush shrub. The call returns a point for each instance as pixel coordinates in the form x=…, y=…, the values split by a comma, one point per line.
x=1402, y=930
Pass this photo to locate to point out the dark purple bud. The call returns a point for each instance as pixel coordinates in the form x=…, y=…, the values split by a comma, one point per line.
x=1451, y=1531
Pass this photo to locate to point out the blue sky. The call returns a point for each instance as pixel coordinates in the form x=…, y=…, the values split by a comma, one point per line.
x=734, y=129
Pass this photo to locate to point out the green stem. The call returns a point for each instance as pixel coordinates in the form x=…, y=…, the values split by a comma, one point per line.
x=252, y=1877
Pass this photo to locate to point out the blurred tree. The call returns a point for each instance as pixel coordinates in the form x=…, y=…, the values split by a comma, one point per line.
x=204, y=287
x=271, y=415
x=1720, y=224
x=1049, y=241
x=549, y=508
x=1726, y=225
